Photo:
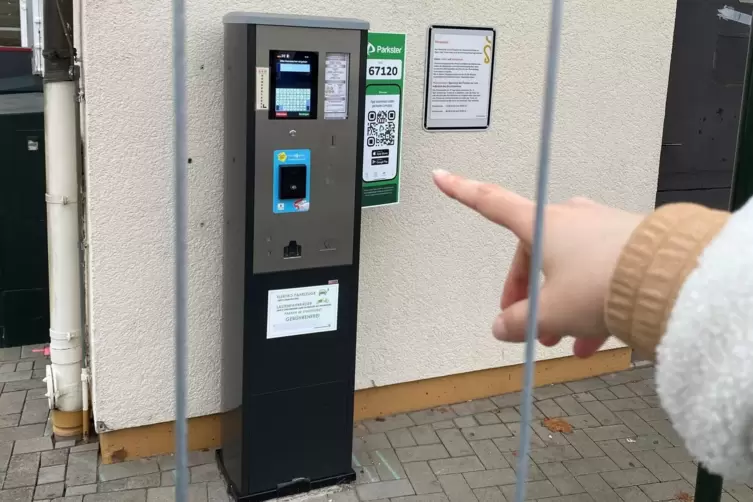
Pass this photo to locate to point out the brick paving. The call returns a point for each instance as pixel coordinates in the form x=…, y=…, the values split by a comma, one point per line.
x=621, y=448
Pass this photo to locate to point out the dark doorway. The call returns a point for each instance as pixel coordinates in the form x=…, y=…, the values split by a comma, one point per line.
x=24, y=296
x=706, y=76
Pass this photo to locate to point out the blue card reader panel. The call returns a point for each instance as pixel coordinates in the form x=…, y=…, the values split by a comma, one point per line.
x=292, y=181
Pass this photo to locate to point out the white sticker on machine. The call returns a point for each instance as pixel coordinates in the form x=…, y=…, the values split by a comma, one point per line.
x=262, y=88
x=301, y=311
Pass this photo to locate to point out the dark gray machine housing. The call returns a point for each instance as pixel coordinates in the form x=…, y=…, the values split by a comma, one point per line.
x=288, y=401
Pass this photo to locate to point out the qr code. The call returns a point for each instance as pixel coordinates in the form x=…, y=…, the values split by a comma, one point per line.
x=381, y=128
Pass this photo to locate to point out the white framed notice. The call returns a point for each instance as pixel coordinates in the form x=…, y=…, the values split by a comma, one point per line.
x=302, y=311
x=459, y=76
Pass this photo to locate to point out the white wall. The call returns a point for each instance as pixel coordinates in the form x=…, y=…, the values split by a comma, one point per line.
x=431, y=272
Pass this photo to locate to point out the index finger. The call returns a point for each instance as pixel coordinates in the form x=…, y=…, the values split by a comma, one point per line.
x=493, y=202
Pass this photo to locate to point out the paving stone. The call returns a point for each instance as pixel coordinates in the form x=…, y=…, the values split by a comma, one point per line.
x=635, y=423
x=492, y=477
x=507, y=400
x=389, y=423
x=346, y=495
x=630, y=403
x=552, y=469
x=217, y=492
x=85, y=447
x=39, y=393
x=664, y=427
x=583, y=421
x=584, y=444
x=400, y=438
x=619, y=454
x=5, y=452
x=126, y=469
x=144, y=481
x=509, y=415
x=456, y=465
x=606, y=432
x=364, y=474
x=489, y=454
x=486, y=432
x=628, y=477
x=384, y=489
x=739, y=492
x=632, y=494
x=12, y=402
x=570, y=406
x=473, y=407
x=424, y=434
x=422, y=478
x=25, y=366
x=652, y=414
x=455, y=442
x=53, y=457
x=32, y=445
x=72, y=498
x=21, y=432
x=205, y=472
x=550, y=409
x=15, y=376
x=551, y=391
x=621, y=391
x=196, y=457
x=584, y=397
x=82, y=468
x=601, y=413
x=369, y=442
x=641, y=443
x=419, y=453
x=68, y=443
x=644, y=388
x=554, y=454
x=22, y=470
x=467, y=421
x=28, y=351
x=10, y=354
x=597, y=487
x=540, y=436
x=586, y=385
x=535, y=413
x=666, y=491
x=168, y=477
x=688, y=470
x=658, y=467
x=35, y=383
x=49, y=491
x=583, y=497
x=534, y=472
x=534, y=490
x=8, y=367
x=51, y=474
x=431, y=497
x=491, y=494
x=487, y=418
x=584, y=466
x=80, y=490
x=431, y=416
x=196, y=493
x=456, y=488
x=444, y=424
x=566, y=484
x=387, y=464
x=603, y=394
x=17, y=494
x=9, y=420
x=634, y=375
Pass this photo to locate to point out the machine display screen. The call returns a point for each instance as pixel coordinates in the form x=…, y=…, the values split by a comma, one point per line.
x=294, y=84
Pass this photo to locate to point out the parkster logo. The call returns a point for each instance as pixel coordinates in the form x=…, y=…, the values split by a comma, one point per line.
x=380, y=49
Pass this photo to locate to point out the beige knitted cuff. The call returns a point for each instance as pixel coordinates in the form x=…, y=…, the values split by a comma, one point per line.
x=660, y=254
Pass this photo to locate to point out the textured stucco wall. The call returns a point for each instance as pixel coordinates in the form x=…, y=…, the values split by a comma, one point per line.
x=431, y=272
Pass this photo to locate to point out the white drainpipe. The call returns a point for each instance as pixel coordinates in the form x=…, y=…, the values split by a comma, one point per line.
x=61, y=158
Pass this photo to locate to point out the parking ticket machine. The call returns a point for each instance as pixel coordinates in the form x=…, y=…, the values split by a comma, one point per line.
x=294, y=105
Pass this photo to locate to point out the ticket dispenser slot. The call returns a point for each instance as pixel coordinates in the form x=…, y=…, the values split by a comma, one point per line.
x=294, y=114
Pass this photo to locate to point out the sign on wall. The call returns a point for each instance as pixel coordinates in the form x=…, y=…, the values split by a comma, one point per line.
x=385, y=78
x=459, y=75
x=300, y=311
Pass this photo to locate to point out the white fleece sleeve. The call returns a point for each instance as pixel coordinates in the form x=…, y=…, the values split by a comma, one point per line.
x=704, y=368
